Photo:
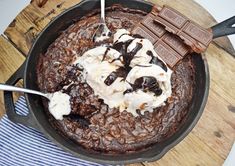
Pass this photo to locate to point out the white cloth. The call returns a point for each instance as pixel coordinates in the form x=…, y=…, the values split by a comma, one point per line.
x=24, y=146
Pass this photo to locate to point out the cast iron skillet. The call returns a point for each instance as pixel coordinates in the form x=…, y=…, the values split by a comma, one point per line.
x=38, y=119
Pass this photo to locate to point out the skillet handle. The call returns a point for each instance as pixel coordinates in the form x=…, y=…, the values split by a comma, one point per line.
x=27, y=120
x=224, y=28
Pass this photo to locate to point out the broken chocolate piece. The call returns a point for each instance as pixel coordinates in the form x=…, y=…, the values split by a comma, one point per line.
x=167, y=53
x=173, y=33
x=176, y=43
x=197, y=37
x=157, y=29
x=144, y=32
x=173, y=17
x=198, y=33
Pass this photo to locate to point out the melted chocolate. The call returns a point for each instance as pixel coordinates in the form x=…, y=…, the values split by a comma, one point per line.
x=126, y=60
x=138, y=36
x=146, y=84
x=111, y=78
x=123, y=35
x=120, y=72
x=105, y=54
x=156, y=61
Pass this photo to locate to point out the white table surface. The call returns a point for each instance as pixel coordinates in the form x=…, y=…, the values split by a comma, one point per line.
x=221, y=10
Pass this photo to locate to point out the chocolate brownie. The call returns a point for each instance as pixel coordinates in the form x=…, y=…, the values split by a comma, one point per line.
x=109, y=130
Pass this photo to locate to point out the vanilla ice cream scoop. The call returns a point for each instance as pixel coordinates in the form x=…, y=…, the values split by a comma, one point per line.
x=150, y=86
x=59, y=103
x=128, y=75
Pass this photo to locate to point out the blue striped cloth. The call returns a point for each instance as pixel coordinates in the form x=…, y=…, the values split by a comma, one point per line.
x=24, y=146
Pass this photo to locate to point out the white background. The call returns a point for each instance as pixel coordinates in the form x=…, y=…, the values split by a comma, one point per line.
x=220, y=9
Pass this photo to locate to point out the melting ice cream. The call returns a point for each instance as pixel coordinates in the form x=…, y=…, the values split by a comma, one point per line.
x=59, y=105
x=128, y=75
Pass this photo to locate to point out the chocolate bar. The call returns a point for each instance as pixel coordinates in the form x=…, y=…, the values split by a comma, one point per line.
x=197, y=37
x=172, y=34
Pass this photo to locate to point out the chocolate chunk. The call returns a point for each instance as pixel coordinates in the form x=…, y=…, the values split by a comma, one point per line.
x=173, y=34
x=173, y=16
x=147, y=84
x=194, y=45
x=168, y=27
x=155, y=60
x=198, y=33
x=167, y=53
x=176, y=43
x=144, y=32
x=111, y=78
x=148, y=22
x=192, y=34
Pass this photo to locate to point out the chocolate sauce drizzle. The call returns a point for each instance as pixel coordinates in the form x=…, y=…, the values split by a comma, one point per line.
x=120, y=72
x=145, y=83
x=122, y=35
x=137, y=36
x=125, y=58
x=105, y=54
x=156, y=61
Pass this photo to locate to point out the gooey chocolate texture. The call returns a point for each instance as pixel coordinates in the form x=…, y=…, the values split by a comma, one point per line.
x=126, y=56
x=155, y=60
x=146, y=84
x=120, y=72
x=110, y=131
x=126, y=63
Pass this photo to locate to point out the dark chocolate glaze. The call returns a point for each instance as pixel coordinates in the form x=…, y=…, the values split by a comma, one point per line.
x=122, y=35
x=105, y=53
x=110, y=131
x=120, y=72
x=137, y=36
x=156, y=61
x=111, y=78
x=125, y=57
x=146, y=84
